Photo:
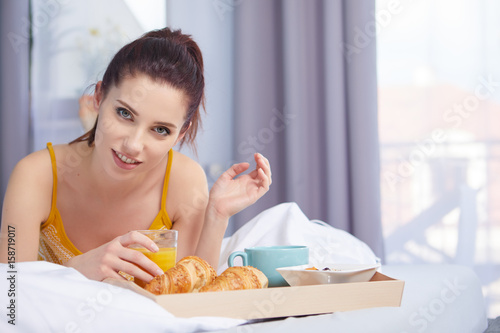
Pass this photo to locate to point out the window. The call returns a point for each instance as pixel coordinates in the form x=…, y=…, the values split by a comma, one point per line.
x=439, y=106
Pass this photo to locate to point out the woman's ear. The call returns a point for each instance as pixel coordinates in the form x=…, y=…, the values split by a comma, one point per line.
x=98, y=96
x=183, y=132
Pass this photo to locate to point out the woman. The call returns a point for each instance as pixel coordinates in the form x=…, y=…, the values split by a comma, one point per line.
x=77, y=204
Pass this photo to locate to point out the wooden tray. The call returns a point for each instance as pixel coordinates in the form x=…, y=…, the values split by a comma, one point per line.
x=380, y=291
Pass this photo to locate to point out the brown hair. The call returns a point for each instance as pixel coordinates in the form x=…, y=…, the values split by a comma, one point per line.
x=166, y=56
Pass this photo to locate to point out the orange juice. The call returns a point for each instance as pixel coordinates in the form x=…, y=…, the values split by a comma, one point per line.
x=165, y=258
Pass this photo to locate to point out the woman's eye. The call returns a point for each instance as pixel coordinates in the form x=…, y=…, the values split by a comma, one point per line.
x=124, y=113
x=162, y=130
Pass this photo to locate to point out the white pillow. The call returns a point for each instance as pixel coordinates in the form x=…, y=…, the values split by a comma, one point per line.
x=286, y=224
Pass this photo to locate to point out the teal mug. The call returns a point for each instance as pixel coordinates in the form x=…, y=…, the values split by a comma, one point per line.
x=268, y=258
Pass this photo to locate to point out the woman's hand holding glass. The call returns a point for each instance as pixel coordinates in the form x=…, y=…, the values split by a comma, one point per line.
x=107, y=260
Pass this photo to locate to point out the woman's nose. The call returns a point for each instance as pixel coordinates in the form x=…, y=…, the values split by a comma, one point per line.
x=134, y=142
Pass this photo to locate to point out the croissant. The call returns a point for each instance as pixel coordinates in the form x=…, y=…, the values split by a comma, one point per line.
x=188, y=275
x=236, y=278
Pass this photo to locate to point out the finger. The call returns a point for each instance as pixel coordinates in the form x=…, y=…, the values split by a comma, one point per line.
x=264, y=179
x=236, y=169
x=263, y=163
x=136, y=238
x=116, y=275
x=135, y=271
x=264, y=159
x=137, y=264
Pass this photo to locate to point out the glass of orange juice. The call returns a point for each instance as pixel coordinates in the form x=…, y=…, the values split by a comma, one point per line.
x=166, y=240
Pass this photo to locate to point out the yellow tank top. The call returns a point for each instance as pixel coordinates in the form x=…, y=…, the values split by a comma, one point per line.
x=56, y=247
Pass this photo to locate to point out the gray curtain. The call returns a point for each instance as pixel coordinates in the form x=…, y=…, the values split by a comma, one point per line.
x=14, y=86
x=306, y=97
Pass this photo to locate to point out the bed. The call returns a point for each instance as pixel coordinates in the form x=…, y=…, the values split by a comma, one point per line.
x=53, y=298
x=45, y=297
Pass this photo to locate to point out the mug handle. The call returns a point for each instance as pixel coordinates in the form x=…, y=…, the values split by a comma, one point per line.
x=243, y=255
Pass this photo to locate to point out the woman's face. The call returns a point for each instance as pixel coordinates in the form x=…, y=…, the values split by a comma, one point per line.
x=139, y=121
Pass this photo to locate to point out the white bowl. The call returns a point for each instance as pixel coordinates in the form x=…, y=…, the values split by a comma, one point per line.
x=338, y=273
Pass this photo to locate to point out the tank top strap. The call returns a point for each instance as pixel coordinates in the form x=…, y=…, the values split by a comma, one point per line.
x=54, y=175
x=165, y=181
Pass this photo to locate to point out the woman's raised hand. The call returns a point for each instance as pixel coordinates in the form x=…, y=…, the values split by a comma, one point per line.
x=108, y=259
x=231, y=194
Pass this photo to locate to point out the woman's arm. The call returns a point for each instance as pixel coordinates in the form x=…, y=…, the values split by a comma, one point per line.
x=231, y=193
x=201, y=219
x=26, y=205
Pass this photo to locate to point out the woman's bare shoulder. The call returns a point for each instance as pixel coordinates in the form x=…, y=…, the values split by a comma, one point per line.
x=186, y=168
x=31, y=181
x=188, y=190
x=35, y=164
x=187, y=178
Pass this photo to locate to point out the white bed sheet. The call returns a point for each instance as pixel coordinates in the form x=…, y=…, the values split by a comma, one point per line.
x=54, y=298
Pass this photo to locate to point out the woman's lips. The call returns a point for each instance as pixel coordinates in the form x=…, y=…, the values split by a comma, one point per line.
x=125, y=162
